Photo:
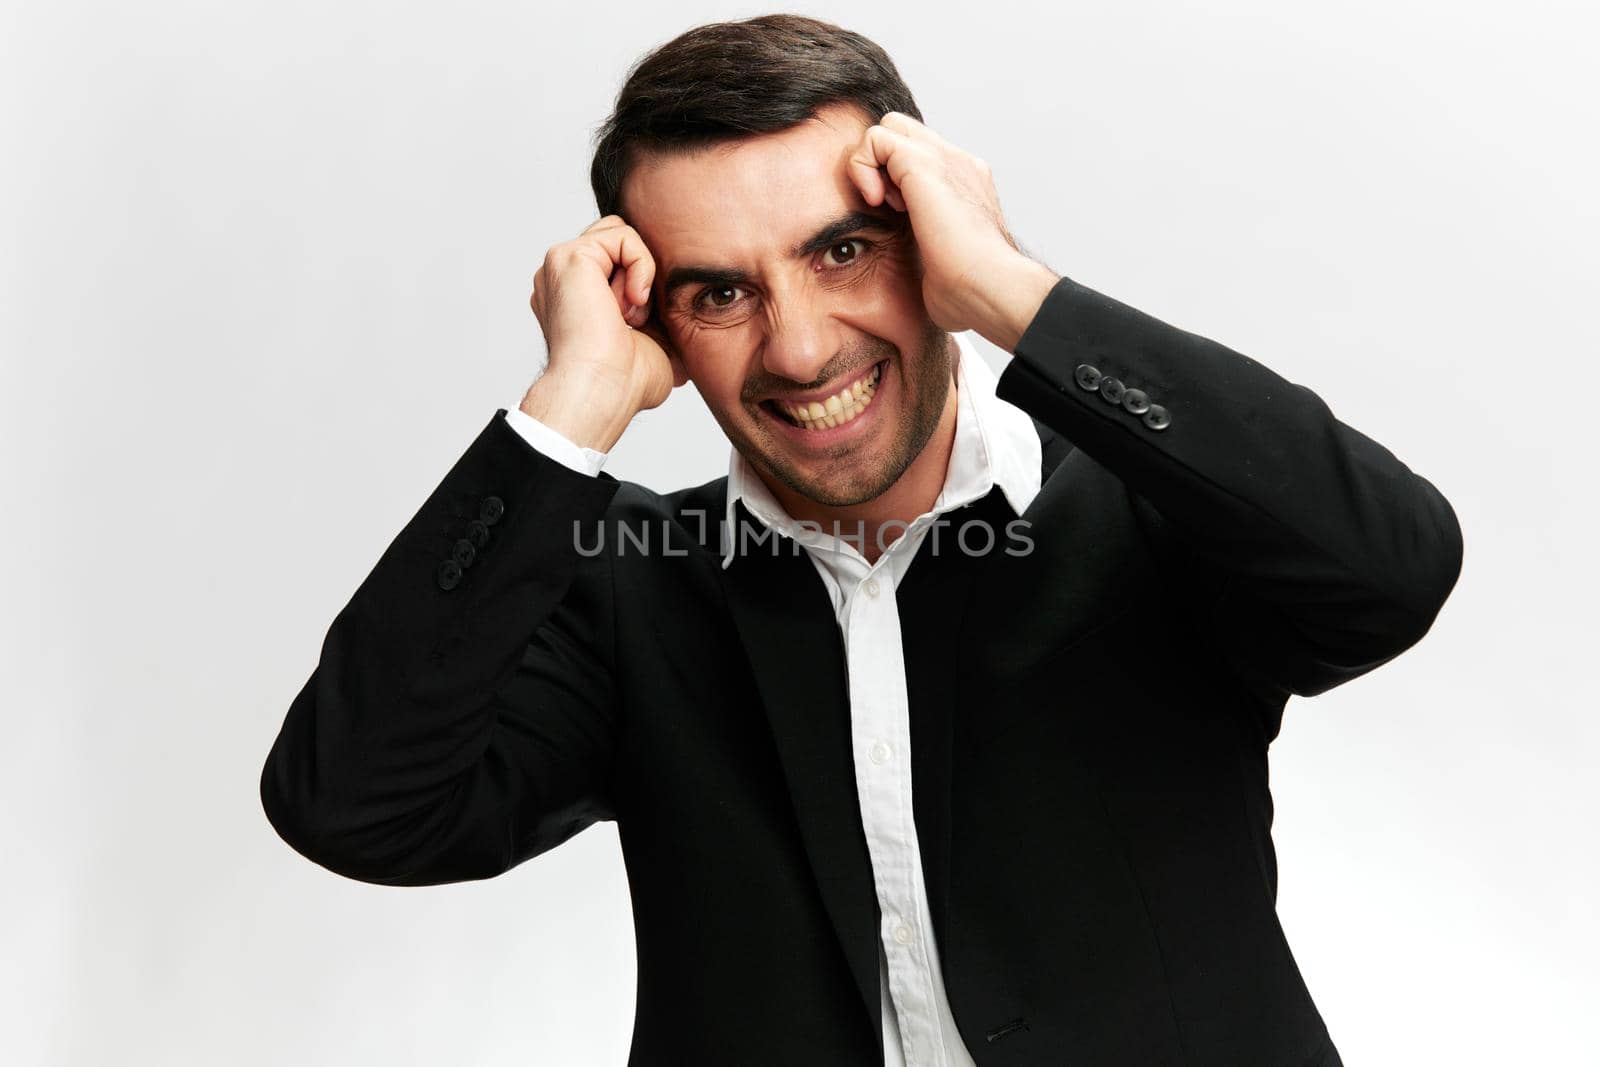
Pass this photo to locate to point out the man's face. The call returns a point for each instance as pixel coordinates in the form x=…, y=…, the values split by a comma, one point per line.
x=770, y=306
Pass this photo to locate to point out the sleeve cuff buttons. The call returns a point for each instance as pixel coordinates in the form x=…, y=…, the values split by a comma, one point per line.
x=1114, y=391
x=464, y=551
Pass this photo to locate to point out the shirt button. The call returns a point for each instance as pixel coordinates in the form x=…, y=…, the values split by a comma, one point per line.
x=871, y=586
x=880, y=753
x=902, y=934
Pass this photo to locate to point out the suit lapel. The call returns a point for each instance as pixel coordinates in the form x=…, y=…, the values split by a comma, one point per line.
x=786, y=624
x=934, y=603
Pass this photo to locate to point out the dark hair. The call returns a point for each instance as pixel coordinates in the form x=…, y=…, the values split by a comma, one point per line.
x=726, y=80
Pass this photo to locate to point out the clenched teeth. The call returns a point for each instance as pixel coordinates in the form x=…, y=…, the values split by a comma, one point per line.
x=838, y=409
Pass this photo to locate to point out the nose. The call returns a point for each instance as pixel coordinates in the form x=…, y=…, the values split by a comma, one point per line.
x=801, y=338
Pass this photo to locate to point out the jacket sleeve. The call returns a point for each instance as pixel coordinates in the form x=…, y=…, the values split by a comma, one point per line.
x=462, y=714
x=1313, y=555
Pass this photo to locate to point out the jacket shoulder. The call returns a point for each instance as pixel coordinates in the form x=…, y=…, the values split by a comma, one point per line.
x=696, y=511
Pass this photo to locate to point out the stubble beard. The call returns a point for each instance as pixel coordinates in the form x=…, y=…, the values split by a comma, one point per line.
x=931, y=374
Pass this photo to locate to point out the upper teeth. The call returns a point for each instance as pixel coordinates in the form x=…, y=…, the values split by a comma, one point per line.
x=837, y=409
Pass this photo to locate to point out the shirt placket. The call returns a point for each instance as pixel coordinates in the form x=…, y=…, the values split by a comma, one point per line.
x=882, y=747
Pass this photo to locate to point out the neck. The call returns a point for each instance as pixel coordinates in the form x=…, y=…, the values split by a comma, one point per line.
x=912, y=494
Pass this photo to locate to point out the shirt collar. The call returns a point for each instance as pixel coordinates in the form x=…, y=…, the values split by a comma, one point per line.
x=996, y=444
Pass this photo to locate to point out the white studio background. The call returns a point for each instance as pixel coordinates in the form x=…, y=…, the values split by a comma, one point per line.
x=266, y=277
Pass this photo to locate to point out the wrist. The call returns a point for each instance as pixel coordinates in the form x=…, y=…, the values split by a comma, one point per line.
x=1012, y=300
x=588, y=409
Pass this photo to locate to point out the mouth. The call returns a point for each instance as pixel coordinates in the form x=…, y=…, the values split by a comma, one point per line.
x=835, y=410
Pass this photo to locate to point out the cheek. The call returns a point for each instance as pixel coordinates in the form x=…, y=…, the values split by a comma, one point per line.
x=704, y=352
x=890, y=296
x=717, y=386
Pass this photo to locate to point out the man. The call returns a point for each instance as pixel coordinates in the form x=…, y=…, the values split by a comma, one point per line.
x=936, y=732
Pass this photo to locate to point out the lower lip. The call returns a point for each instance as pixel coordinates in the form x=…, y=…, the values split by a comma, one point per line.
x=826, y=436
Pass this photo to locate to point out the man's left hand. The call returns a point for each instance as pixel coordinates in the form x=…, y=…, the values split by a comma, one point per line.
x=974, y=274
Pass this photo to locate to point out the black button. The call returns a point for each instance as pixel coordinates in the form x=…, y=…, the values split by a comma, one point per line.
x=493, y=508
x=1088, y=377
x=477, y=533
x=1111, y=390
x=1136, y=401
x=464, y=553
x=1157, y=418
x=449, y=574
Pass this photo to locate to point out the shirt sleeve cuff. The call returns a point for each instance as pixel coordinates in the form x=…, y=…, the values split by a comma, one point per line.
x=555, y=444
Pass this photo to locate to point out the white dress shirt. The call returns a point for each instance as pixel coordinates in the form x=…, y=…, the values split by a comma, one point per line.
x=995, y=444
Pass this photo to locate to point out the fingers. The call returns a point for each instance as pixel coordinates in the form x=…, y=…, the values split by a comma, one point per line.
x=897, y=146
x=877, y=164
x=627, y=251
x=901, y=123
x=892, y=194
x=618, y=250
x=630, y=310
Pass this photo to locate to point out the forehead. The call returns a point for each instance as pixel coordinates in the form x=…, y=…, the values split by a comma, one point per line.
x=748, y=199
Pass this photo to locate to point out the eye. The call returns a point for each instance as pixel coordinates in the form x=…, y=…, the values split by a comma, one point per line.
x=851, y=258
x=712, y=298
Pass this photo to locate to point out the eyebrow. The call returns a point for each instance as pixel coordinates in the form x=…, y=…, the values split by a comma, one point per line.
x=826, y=236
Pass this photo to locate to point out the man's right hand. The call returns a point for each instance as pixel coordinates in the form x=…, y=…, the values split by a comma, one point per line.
x=609, y=359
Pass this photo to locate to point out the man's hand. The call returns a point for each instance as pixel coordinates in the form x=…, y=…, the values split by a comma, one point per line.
x=608, y=360
x=974, y=275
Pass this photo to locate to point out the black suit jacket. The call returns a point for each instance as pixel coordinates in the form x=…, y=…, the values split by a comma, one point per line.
x=1090, y=719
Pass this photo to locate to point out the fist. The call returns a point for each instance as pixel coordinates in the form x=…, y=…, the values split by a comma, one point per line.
x=975, y=275
x=592, y=299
